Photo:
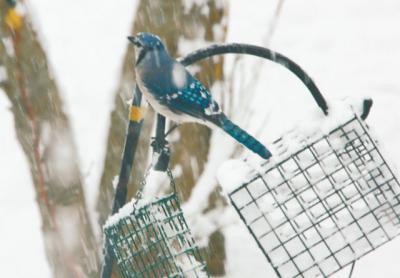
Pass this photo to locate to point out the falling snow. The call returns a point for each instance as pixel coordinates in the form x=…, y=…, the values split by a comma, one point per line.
x=340, y=45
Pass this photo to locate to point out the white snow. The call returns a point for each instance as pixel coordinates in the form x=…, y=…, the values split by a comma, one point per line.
x=20, y=8
x=62, y=154
x=115, y=181
x=233, y=173
x=349, y=48
x=185, y=46
x=188, y=5
x=125, y=211
x=68, y=224
x=244, y=259
x=3, y=74
x=218, y=31
x=155, y=183
x=8, y=44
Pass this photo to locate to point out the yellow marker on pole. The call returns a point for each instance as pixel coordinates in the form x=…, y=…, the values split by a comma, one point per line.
x=136, y=113
x=13, y=20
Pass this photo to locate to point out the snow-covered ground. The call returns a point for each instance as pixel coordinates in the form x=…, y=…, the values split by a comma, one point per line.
x=350, y=48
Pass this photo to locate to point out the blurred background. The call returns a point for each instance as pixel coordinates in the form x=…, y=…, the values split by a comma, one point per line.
x=66, y=80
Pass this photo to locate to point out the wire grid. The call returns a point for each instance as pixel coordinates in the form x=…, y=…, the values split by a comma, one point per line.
x=323, y=207
x=155, y=241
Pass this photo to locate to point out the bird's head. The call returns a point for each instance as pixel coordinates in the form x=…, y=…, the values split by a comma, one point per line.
x=145, y=43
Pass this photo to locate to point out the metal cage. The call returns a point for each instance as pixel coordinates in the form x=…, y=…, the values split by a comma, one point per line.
x=319, y=209
x=155, y=241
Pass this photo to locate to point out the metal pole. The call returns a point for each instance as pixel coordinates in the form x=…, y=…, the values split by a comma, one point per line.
x=352, y=269
x=131, y=142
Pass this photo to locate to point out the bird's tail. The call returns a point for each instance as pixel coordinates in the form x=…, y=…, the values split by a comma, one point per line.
x=243, y=137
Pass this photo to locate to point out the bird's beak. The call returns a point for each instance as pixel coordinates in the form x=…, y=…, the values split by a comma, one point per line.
x=134, y=40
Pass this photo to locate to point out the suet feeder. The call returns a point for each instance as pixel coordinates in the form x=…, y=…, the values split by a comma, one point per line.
x=151, y=238
x=154, y=240
x=316, y=210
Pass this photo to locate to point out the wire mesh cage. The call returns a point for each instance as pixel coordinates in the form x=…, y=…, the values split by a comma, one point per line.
x=320, y=208
x=153, y=240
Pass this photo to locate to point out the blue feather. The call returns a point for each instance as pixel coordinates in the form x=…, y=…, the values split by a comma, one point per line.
x=244, y=138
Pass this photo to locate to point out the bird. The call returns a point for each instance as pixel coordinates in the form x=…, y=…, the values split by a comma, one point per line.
x=177, y=95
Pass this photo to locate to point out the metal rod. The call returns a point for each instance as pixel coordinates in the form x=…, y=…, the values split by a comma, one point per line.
x=160, y=129
x=161, y=152
x=352, y=269
x=262, y=52
x=171, y=129
x=131, y=142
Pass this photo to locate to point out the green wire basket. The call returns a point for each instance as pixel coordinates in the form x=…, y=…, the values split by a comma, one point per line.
x=154, y=240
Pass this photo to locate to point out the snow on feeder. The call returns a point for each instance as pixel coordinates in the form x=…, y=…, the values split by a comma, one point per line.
x=317, y=208
x=152, y=239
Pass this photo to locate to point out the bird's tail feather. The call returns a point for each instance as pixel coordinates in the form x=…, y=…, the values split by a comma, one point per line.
x=243, y=137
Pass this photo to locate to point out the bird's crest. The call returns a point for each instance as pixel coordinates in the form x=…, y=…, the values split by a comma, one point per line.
x=147, y=40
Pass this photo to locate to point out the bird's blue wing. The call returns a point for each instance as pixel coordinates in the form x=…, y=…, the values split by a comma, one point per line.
x=190, y=97
x=193, y=99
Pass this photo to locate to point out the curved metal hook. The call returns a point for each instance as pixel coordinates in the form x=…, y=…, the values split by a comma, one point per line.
x=239, y=48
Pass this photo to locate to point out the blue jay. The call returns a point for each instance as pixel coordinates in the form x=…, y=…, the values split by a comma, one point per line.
x=174, y=93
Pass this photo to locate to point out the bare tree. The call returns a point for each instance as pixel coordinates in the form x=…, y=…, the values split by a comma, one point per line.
x=44, y=133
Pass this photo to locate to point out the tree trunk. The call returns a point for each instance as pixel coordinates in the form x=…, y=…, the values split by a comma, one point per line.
x=173, y=22
x=44, y=133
